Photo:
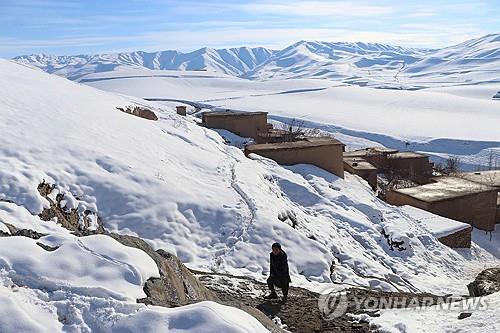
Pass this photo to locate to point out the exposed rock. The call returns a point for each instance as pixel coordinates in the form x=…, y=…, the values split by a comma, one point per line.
x=487, y=282
x=139, y=112
x=464, y=315
x=21, y=232
x=176, y=285
x=70, y=219
x=47, y=247
x=497, y=95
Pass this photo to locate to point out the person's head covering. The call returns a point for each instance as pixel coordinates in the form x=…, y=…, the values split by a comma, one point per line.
x=278, y=245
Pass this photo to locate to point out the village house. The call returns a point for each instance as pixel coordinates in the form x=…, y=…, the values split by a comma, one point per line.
x=181, y=110
x=363, y=169
x=385, y=159
x=456, y=198
x=489, y=178
x=409, y=163
x=245, y=124
x=323, y=152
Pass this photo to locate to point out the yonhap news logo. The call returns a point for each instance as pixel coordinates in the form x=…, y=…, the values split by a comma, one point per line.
x=334, y=302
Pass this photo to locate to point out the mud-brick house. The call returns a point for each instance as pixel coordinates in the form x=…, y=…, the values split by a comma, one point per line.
x=360, y=167
x=325, y=153
x=452, y=197
x=406, y=163
x=377, y=156
x=245, y=124
x=489, y=178
x=409, y=163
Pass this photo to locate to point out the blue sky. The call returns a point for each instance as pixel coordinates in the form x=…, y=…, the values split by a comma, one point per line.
x=90, y=26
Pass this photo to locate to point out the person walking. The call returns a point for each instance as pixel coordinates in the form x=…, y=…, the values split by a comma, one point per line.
x=279, y=275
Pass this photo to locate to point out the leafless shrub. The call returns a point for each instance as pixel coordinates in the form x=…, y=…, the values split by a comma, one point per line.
x=295, y=128
x=450, y=167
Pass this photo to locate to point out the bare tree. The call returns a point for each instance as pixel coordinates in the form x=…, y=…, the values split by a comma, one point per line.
x=450, y=167
x=296, y=128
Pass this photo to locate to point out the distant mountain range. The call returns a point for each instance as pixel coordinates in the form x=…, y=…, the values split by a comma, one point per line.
x=474, y=61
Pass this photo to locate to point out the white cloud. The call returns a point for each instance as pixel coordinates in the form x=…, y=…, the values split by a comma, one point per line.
x=316, y=8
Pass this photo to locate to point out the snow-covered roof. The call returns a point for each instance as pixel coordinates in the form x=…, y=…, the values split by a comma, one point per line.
x=445, y=188
x=439, y=226
x=368, y=151
x=294, y=145
x=406, y=154
x=233, y=113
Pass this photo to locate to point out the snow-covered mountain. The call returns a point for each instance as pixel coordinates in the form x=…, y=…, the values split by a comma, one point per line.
x=474, y=61
x=310, y=59
x=234, y=61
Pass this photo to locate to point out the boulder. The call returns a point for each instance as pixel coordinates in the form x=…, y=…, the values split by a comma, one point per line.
x=487, y=282
x=176, y=285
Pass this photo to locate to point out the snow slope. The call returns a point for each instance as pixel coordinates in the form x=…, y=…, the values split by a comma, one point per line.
x=180, y=187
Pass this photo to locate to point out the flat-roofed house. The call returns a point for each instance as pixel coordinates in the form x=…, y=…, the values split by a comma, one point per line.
x=409, y=162
x=489, y=178
x=456, y=198
x=325, y=153
x=245, y=124
x=360, y=167
x=375, y=155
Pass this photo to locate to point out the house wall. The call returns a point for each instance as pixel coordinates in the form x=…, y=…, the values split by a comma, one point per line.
x=459, y=239
x=181, y=110
x=476, y=209
x=327, y=157
x=410, y=166
x=244, y=125
x=377, y=159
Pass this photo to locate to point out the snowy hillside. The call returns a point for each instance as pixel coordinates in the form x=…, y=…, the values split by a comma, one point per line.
x=379, y=65
x=180, y=187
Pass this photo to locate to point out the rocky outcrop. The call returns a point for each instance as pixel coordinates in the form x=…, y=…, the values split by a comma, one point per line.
x=71, y=219
x=497, y=96
x=176, y=285
x=139, y=112
x=487, y=282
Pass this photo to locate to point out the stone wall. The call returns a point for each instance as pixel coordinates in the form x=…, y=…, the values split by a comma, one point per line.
x=459, y=239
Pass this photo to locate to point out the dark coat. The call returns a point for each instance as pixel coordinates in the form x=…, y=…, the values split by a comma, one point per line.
x=279, y=267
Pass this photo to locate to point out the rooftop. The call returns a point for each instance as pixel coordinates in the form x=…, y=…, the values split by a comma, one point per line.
x=368, y=151
x=406, y=154
x=445, y=188
x=232, y=113
x=295, y=144
x=439, y=226
x=490, y=178
x=359, y=163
